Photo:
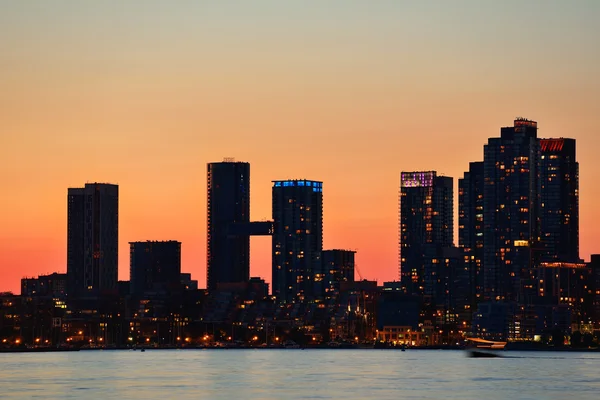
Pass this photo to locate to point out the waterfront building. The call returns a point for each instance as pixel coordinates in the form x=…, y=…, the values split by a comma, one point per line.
x=559, y=216
x=511, y=211
x=338, y=266
x=92, y=240
x=155, y=266
x=228, y=205
x=297, y=239
x=470, y=239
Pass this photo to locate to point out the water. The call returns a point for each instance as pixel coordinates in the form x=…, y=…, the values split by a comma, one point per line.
x=297, y=374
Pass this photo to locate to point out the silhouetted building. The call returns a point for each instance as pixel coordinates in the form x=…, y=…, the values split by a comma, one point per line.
x=53, y=285
x=338, y=266
x=560, y=200
x=255, y=285
x=594, y=266
x=470, y=236
x=187, y=282
x=426, y=226
x=92, y=239
x=494, y=320
x=569, y=284
x=228, y=251
x=259, y=286
x=511, y=212
x=297, y=239
x=397, y=309
x=154, y=266
x=124, y=287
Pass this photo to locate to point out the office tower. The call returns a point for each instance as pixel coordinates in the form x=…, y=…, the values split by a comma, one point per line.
x=297, y=239
x=154, y=266
x=426, y=227
x=559, y=218
x=470, y=239
x=511, y=203
x=92, y=239
x=338, y=266
x=228, y=251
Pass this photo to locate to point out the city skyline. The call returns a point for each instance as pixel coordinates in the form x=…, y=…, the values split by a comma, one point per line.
x=248, y=227
x=392, y=89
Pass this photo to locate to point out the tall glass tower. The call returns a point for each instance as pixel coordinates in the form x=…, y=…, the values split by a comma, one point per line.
x=426, y=227
x=297, y=240
x=511, y=209
x=560, y=200
x=228, y=206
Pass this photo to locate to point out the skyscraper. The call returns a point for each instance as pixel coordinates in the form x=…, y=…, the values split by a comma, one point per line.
x=92, y=239
x=559, y=219
x=511, y=211
x=297, y=239
x=470, y=235
x=154, y=266
x=228, y=250
x=426, y=227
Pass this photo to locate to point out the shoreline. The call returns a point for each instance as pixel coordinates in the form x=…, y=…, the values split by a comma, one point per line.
x=455, y=348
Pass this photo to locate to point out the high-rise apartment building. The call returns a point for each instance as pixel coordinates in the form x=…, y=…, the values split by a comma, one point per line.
x=470, y=236
x=228, y=249
x=426, y=228
x=154, y=266
x=338, y=266
x=511, y=210
x=297, y=239
x=559, y=217
x=92, y=240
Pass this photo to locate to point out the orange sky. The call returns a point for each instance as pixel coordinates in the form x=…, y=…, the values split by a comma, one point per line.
x=339, y=92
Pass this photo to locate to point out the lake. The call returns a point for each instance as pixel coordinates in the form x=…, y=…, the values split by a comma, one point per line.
x=297, y=374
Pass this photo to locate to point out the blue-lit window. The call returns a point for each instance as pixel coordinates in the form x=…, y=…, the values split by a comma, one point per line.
x=309, y=183
x=301, y=183
x=277, y=184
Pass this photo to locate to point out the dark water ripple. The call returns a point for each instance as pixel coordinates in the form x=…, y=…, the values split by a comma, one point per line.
x=296, y=374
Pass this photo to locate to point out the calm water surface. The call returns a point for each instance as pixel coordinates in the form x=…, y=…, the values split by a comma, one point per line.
x=297, y=374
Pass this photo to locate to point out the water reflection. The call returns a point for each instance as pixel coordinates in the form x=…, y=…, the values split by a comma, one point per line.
x=295, y=374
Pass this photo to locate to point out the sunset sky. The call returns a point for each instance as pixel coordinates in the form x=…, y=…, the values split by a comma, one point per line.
x=145, y=93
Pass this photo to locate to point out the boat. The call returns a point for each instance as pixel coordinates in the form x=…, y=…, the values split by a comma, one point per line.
x=482, y=348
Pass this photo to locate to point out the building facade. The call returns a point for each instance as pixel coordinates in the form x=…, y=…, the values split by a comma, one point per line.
x=53, y=285
x=470, y=237
x=511, y=211
x=92, y=240
x=338, y=266
x=426, y=227
x=228, y=206
x=154, y=266
x=559, y=217
x=297, y=239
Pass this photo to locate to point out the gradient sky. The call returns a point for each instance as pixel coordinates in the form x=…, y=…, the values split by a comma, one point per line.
x=145, y=93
